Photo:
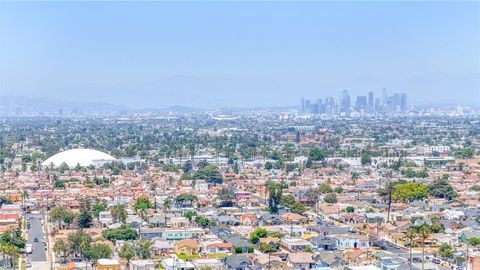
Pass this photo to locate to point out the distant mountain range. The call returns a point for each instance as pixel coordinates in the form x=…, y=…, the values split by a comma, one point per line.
x=221, y=92
x=19, y=105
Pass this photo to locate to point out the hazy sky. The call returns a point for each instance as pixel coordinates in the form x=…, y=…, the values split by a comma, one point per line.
x=251, y=53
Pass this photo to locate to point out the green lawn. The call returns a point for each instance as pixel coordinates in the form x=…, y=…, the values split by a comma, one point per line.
x=184, y=257
x=217, y=255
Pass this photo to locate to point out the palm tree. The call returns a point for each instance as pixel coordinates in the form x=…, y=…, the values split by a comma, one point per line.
x=119, y=213
x=25, y=196
x=389, y=188
x=167, y=205
x=411, y=233
x=424, y=232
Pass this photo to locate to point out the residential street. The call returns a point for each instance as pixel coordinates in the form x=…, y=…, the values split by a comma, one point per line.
x=39, y=255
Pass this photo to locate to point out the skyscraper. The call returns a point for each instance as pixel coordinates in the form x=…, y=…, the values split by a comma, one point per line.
x=403, y=102
x=345, y=103
x=307, y=105
x=302, y=105
x=370, y=101
x=361, y=103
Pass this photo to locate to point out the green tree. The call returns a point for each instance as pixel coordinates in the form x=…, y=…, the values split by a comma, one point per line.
x=78, y=242
x=274, y=196
x=98, y=207
x=119, y=213
x=266, y=248
x=190, y=214
x=474, y=241
x=257, y=234
x=204, y=222
x=445, y=251
x=330, y=198
x=268, y=165
x=143, y=247
x=325, y=188
x=85, y=219
x=97, y=251
x=366, y=159
x=210, y=173
x=57, y=214
x=316, y=154
x=127, y=252
x=142, y=205
x=61, y=248
x=410, y=191
x=440, y=188
x=123, y=233
x=59, y=184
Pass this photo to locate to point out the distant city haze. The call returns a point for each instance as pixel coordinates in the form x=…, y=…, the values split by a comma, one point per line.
x=225, y=54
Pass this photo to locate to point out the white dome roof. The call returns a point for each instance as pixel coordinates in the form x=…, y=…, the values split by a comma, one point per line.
x=84, y=157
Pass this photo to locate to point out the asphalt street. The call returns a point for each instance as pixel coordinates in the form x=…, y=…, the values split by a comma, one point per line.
x=39, y=254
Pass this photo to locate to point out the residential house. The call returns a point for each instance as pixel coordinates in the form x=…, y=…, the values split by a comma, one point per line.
x=374, y=217
x=237, y=262
x=105, y=218
x=161, y=247
x=295, y=244
x=239, y=242
x=300, y=260
x=226, y=220
x=352, y=241
x=176, y=264
x=216, y=248
x=142, y=265
x=269, y=219
x=248, y=220
x=187, y=247
x=323, y=243
x=271, y=241
x=293, y=218
x=108, y=264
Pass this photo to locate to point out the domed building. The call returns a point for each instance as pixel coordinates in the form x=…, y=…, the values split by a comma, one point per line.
x=84, y=157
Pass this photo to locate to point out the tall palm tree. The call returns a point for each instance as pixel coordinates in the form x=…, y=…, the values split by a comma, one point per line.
x=389, y=188
x=411, y=233
x=25, y=196
x=167, y=205
x=119, y=213
x=424, y=232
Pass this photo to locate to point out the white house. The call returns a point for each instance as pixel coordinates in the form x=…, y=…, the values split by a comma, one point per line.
x=352, y=241
x=142, y=265
x=105, y=218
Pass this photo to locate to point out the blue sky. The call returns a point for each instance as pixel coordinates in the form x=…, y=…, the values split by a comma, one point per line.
x=233, y=53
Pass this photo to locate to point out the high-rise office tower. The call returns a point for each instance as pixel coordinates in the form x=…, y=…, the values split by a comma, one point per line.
x=396, y=102
x=378, y=106
x=370, y=101
x=302, y=105
x=345, y=101
x=384, y=97
x=403, y=102
x=361, y=103
x=307, y=105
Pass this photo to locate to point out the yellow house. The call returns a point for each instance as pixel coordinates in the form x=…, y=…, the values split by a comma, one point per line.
x=108, y=264
x=187, y=247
